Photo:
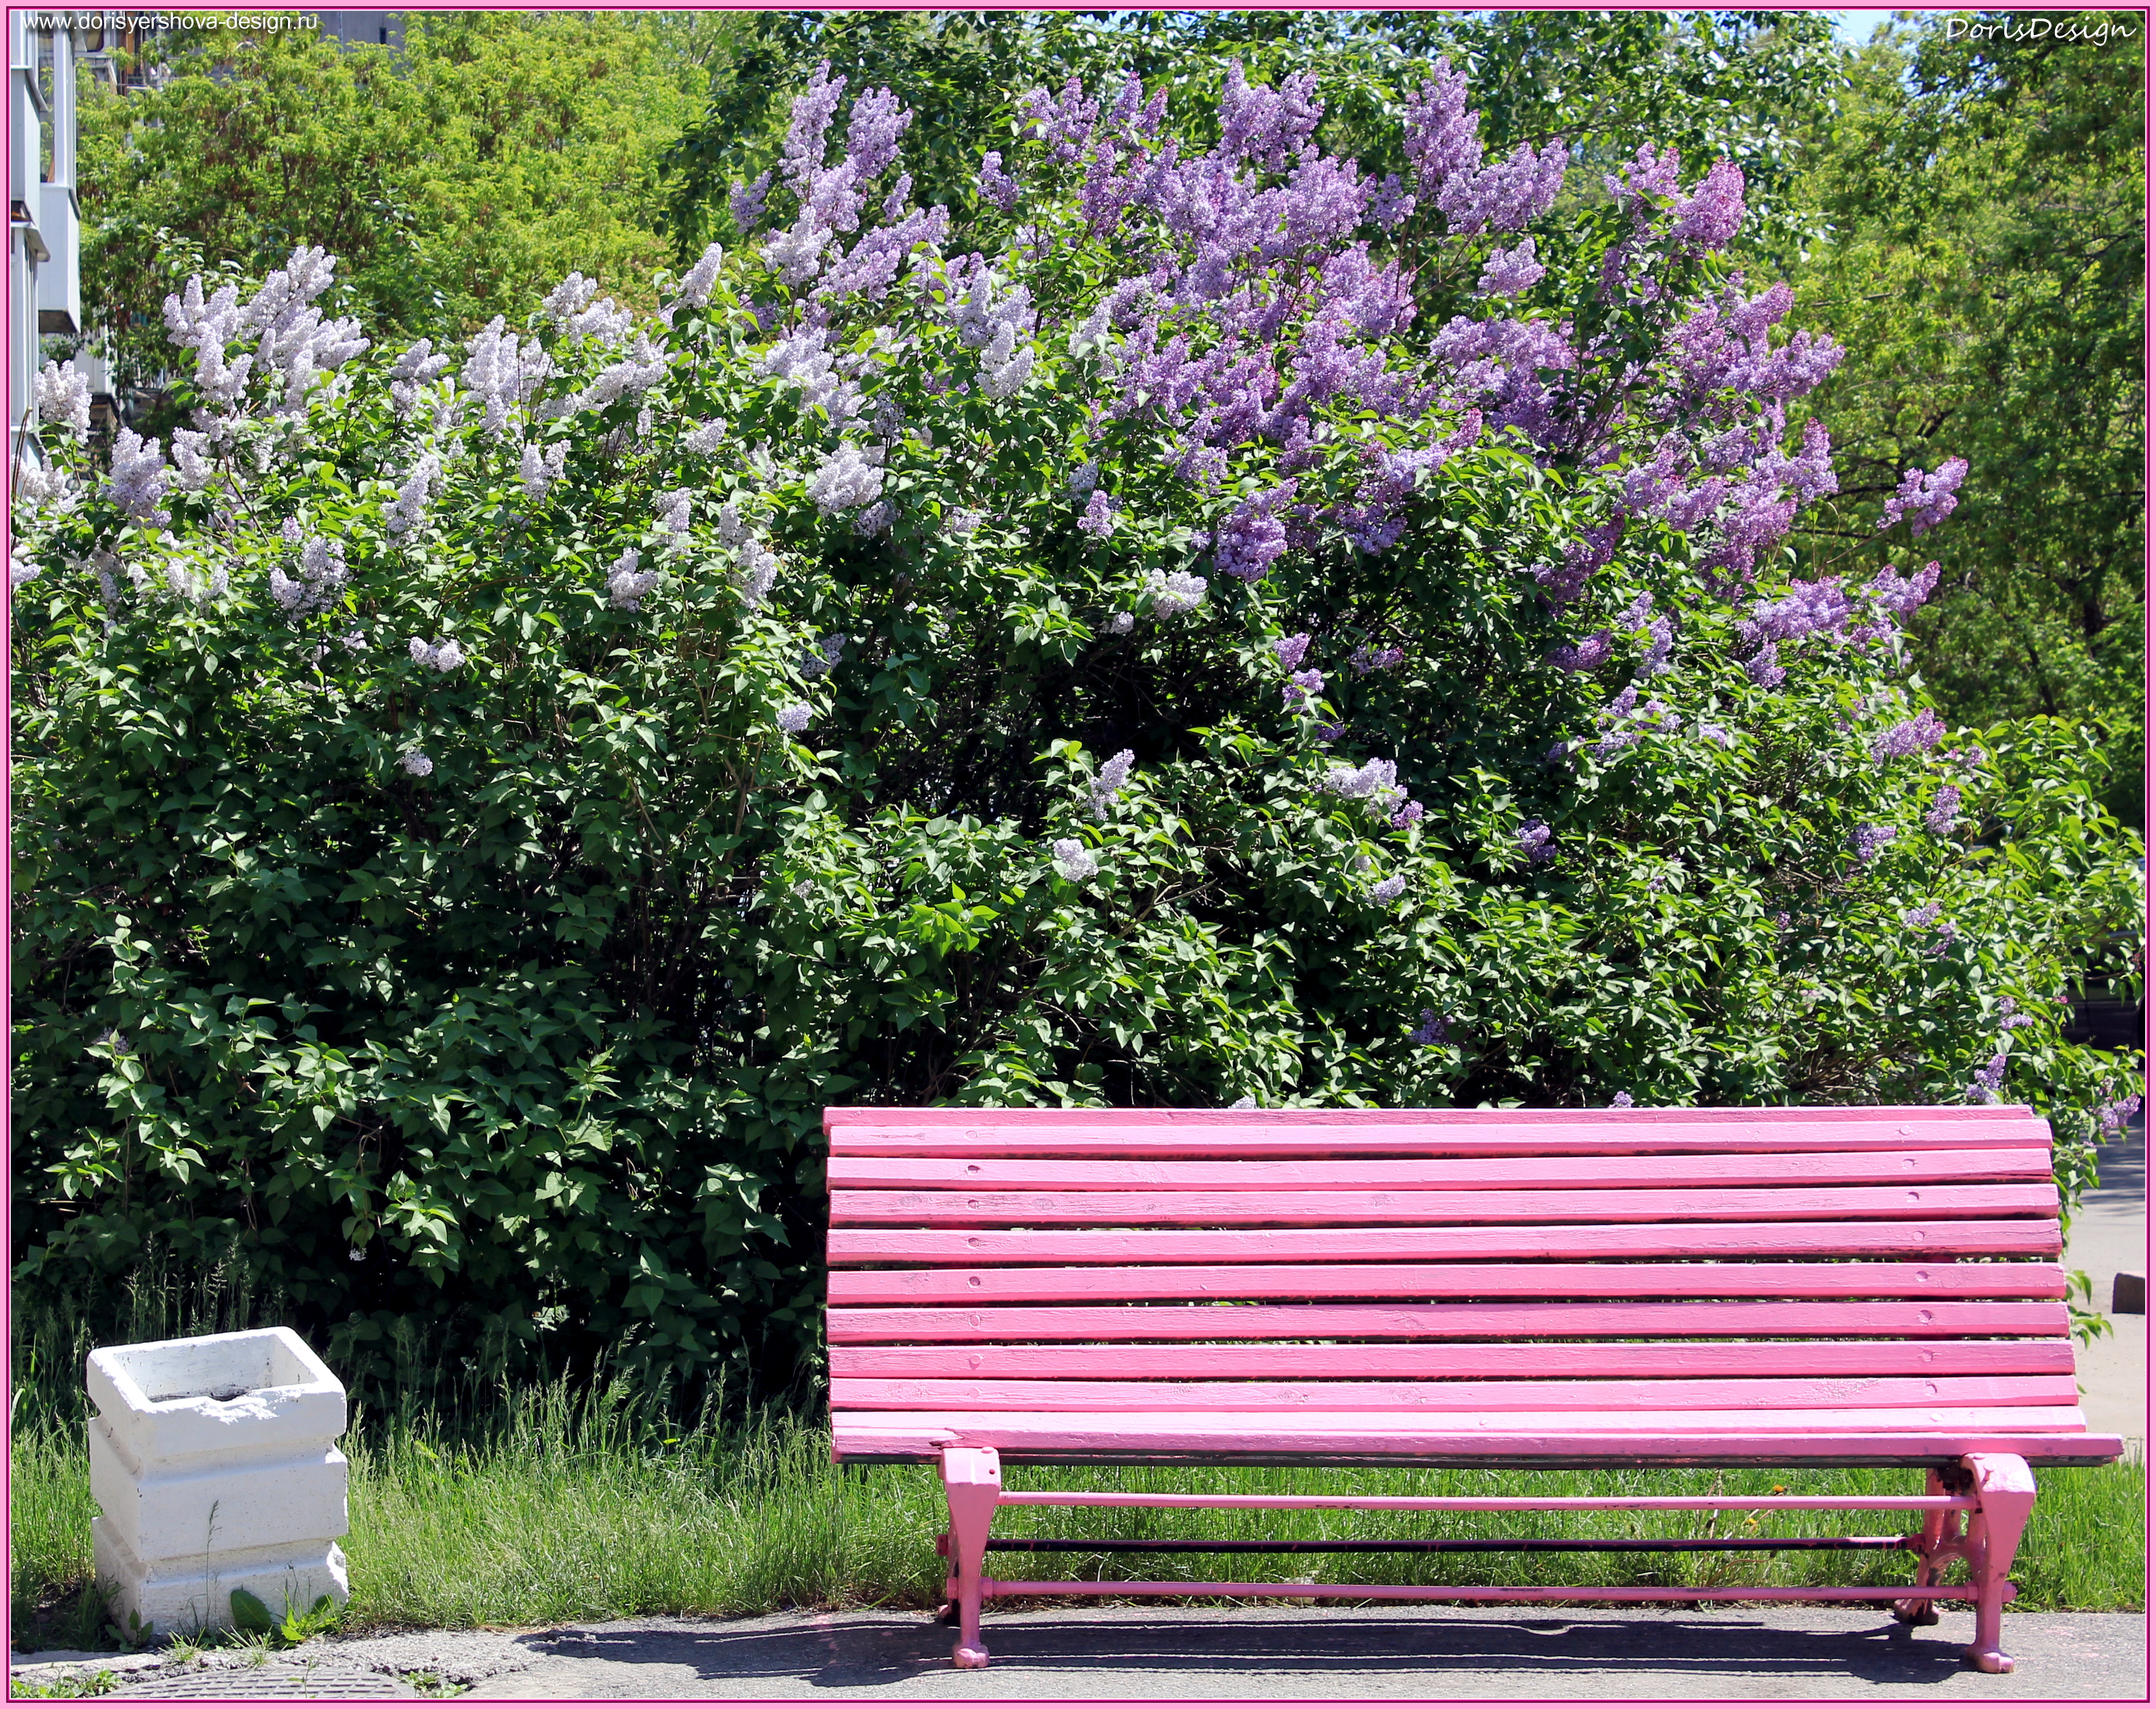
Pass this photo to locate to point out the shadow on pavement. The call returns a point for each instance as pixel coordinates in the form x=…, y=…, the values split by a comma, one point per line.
x=867, y=1651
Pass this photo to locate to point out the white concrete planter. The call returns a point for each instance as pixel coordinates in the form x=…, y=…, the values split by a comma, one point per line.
x=214, y=1464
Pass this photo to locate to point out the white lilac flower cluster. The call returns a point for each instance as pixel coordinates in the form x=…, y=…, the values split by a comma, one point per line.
x=994, y=325
x=570, y=307
x=293, y=343
x=63, y=399
x=320, y=583
x=412, y=372
x=632, y=375
x=501, y=376
x=1174, y=592
x=1114, y=777
x=696, y=284
x=442, y=656
x=537, y=470
x=848, y=480
x=673, y=508
x=416, y=763
x=409, y=511
x=759, y=564
x=793, y=719
x=184, y=581
x=1074, y=859
x=139, y=478
x=1374, y=783
x=803, y=360
x=626, y=585
x=45, y=490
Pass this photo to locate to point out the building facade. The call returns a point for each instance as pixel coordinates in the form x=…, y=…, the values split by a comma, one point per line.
x=45, y=52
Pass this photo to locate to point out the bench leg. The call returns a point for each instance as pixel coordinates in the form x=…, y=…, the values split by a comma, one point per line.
x=2005, y=1493
x=1934, y=1541
x=973, y=1478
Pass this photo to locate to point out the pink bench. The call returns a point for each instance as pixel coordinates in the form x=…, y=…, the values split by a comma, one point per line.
x=1514, y=1288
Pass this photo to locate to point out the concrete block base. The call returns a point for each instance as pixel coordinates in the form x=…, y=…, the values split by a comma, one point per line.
x=194, y=1593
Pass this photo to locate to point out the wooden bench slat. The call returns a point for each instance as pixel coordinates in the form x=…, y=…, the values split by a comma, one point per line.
x=1796, y=1282
x=1378, y=1359
x=1222, y=1209
x=1696, y=1171
x=1325, y=1139
x=1931, y=1319
x=1829, y=1437
x=1580, y=1395
x=859, y=1117
x=2021, y=1237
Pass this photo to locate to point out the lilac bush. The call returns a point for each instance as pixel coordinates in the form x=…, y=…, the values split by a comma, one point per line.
x=1173, y=652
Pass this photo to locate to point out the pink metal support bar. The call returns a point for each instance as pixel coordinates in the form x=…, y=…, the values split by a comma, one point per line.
x=1469, y=1592
x=1505, y=1504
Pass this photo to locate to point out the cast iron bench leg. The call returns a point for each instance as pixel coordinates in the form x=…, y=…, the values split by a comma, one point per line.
x=2005, y=1492
x=973, y=1478
x=1938, y=1541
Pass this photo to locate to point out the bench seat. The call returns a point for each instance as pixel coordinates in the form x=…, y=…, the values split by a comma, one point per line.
x=1479, y=1289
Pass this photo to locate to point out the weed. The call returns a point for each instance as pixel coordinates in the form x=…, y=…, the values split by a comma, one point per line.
x=92, y=1685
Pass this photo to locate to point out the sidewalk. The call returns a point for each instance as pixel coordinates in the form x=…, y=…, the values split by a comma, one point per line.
x=2109, y=1235
x=1182, y=1653
x=1174, y=1654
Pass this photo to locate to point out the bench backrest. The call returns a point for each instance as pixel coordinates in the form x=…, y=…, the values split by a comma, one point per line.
x=1548, y=1260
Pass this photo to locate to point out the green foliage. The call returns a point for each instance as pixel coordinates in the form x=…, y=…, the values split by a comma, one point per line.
x=454, y=177
x=250, y=1613
x=1986, y=272
x=294, y=1627
x=491, y=1010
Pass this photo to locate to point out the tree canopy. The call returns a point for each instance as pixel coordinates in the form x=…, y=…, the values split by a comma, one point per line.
x=1985, y=263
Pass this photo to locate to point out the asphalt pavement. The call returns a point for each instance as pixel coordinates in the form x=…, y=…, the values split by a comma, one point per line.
x=1170, y=1654
x=1348, y=1655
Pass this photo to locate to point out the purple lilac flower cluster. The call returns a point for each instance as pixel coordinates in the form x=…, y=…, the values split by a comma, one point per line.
x=1916, y=734
x=1926, y=500
x=1430, y=1032
x=1589, y=655
x=1443, y=141
x=1825, y=607
x=1246, y=544
x=1945, y=810
x=1984, y=1088
x=1868, y=840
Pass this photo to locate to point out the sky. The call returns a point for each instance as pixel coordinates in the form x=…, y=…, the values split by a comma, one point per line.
x=1856, y=28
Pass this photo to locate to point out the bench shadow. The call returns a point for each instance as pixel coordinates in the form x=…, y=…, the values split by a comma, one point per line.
x=1544, y=1653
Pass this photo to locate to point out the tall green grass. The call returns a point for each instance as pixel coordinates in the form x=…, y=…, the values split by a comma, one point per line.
x=567, y=1504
